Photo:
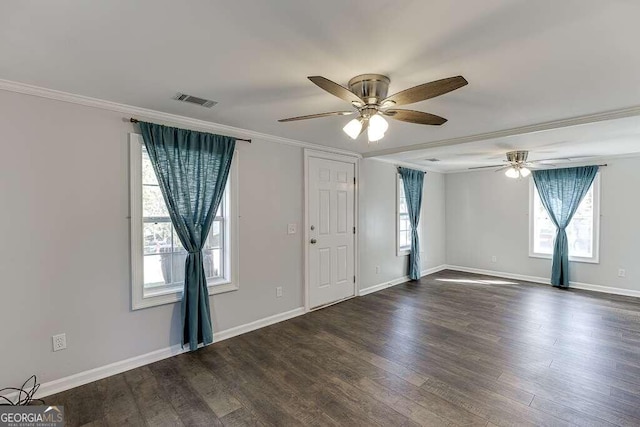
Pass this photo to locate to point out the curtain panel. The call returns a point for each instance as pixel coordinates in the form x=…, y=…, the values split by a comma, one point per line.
x=413, y=181
x=192, y=169
x=561, y=191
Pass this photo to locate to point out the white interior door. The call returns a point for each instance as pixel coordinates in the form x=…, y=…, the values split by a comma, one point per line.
x=331, y=258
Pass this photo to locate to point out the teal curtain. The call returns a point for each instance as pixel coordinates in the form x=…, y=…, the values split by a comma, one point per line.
x=192, y=170
x=561, y=191
x=413, y=181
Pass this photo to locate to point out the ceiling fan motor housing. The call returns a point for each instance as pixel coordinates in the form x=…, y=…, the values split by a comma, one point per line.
x=517, y=156
x=371, y=88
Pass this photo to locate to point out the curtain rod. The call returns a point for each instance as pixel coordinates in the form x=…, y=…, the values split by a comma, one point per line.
x=398, y=167
x=132, y=120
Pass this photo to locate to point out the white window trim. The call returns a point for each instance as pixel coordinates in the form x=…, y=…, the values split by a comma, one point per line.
x=402, y=252
x=596, y=226
x=169, y=296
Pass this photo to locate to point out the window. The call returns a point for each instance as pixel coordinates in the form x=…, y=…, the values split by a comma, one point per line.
x=403, y=223
x=582, y=231
x=157, y=256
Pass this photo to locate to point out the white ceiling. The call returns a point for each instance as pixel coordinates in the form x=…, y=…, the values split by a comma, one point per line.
x=526, y=61
x=588, y=143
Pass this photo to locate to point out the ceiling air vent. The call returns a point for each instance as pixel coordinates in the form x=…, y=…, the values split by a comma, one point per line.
x=195, y=100
x=432, y=160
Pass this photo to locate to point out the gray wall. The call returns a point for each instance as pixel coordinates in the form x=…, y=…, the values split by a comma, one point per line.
x=377, y=237
x=488, y=214
x=64, y=257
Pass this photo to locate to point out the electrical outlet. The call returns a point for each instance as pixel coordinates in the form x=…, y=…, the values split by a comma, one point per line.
x=278, y=291
x=494, y=259
x=377, y=269
x=59, y=342
x=292, y=228
x=622, y=272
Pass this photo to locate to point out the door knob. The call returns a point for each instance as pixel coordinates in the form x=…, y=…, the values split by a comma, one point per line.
x=313, y=241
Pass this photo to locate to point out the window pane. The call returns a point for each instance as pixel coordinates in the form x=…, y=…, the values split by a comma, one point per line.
x=177, y=245
x=152, y=202
x=148, y=174
x=580, y=230
x=403, y=206
x=220, y=211
x=215, y=236
x=179, y=260
x=405, y=239
x=212, y=263
x=157, y=269
x=157, y=238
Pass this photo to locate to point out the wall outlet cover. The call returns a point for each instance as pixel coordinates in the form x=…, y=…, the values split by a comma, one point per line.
x=279, y=291
x=292, y=228
x=59, y=342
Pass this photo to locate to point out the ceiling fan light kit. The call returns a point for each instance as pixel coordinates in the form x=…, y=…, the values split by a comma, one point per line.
x=353, y=128
x=377, y=127
x=517, y=172
x=367, y=94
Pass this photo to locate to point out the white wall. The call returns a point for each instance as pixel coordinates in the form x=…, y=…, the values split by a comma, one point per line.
x=64, y=252
x=488, y=214
x=377, y=237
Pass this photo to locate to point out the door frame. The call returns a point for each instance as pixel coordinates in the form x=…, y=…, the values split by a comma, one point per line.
x=325, y=155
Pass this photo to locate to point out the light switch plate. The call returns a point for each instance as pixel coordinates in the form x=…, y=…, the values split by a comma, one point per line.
x=292, y=228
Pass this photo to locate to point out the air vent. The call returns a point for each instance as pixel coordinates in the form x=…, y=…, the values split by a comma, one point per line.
x=195, y=100
x=432, y=160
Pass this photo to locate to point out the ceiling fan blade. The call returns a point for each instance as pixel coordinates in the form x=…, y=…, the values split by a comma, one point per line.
x=425, y=91
x=486, y=167
x=537, y=165
x=337, y=90
x=418, y=117
x=315, y=116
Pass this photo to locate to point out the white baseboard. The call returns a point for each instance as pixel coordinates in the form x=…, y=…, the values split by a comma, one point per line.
x=381, y=286
x=385, y=285
x=546, y=281
x=101, y=372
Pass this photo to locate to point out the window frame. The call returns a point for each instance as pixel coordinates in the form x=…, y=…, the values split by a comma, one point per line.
x=227, y=283
x=399, y=250
x=595, y=259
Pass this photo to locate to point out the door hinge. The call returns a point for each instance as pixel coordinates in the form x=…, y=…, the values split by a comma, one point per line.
x=354, y=230
x=354, y=180
x=354, y=279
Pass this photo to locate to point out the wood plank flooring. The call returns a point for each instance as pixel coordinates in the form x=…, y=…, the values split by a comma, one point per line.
x=451, y=349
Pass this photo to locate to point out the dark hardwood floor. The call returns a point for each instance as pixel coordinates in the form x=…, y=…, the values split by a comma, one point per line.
x=452, y=349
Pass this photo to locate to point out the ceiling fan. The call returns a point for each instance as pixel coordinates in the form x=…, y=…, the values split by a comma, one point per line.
x=367, y=94
x=517, y=166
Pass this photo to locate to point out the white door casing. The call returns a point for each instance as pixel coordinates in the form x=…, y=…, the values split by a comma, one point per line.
x=330, y=230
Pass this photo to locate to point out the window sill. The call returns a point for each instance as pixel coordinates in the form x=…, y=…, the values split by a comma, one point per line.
x=171, y=297
x=402, y=252
x=571, y=259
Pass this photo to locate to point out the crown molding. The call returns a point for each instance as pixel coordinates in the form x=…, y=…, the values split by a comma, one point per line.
x=522, y=130
x=173, y=119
